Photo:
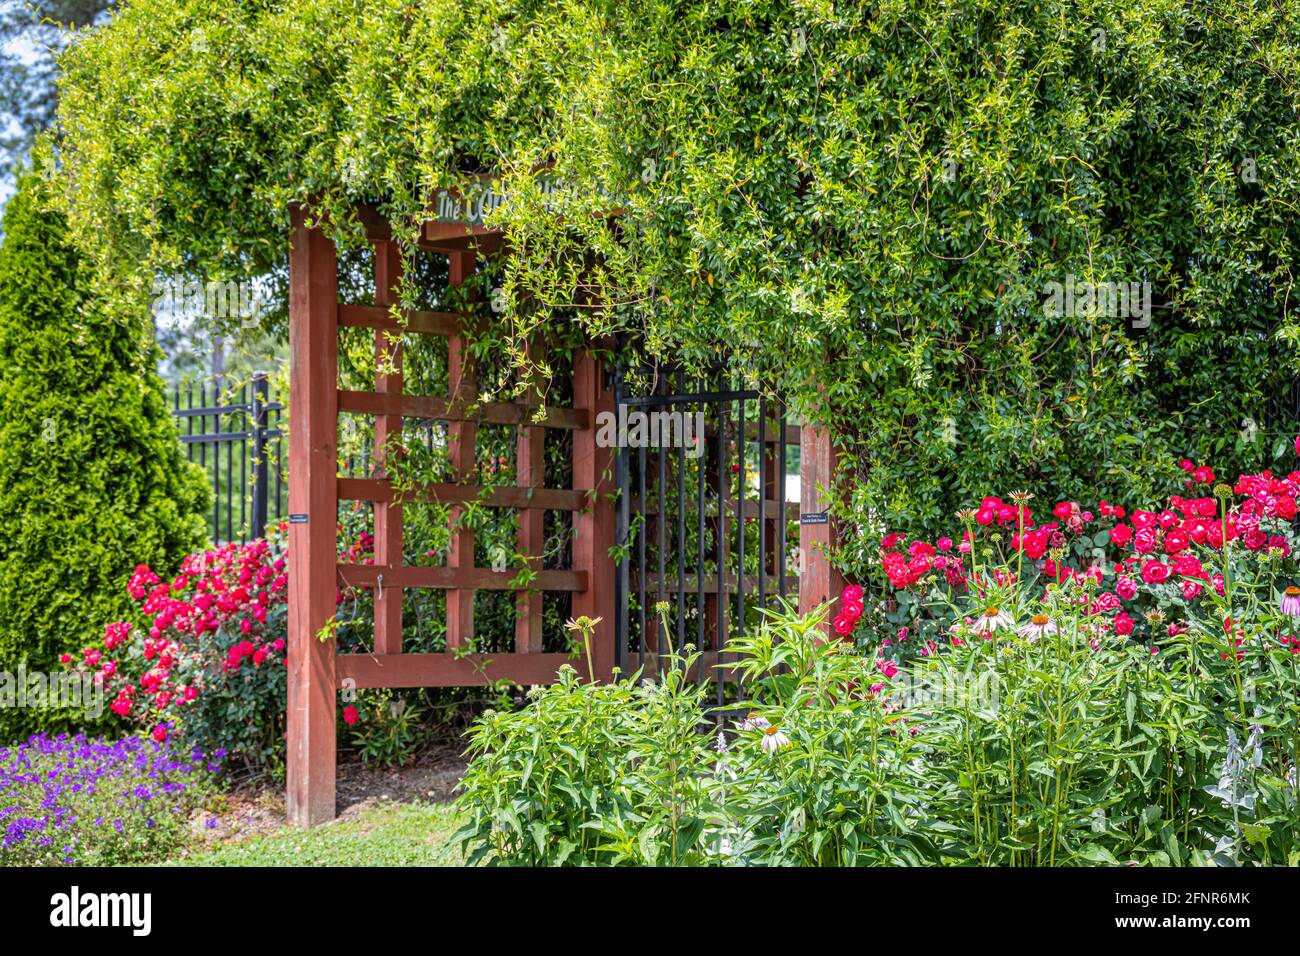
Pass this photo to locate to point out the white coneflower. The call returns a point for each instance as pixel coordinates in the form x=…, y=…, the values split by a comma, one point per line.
x=774, y=740
x=1040, y=625
x=992, y=619
x=754, y=721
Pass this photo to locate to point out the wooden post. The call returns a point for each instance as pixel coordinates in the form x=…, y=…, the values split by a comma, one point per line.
x=313, y=499
x=530, y=448
x=593, y=470
x=388, y=429
x=818, y=581
x=461, y=448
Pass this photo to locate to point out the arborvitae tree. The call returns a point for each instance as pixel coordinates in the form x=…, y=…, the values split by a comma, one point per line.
x=92, y=479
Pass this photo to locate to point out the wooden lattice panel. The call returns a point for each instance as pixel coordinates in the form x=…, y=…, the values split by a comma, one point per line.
x=316, y=671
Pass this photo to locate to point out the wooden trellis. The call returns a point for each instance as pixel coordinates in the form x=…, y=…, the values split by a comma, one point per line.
x=316, y=672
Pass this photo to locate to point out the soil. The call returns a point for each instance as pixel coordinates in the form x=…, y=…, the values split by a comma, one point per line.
x=257, y=807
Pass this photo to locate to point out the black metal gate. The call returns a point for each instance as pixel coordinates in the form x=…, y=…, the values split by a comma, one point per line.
x=703, y=518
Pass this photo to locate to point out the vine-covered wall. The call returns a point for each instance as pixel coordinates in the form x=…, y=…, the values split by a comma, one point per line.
x=994, y=243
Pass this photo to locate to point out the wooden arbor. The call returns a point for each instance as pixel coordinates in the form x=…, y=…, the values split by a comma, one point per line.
x=316, y=671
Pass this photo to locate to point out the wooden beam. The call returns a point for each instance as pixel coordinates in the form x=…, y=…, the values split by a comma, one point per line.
x=457, y=409
x=462, y=440
x=445, y=670
x=706, y=668
x=380, y=317
x=388, y=429
x=530, y=539
x=313, y=376
x=452, y=579
x=818, y=581
x=448, y=493
x=593, y=468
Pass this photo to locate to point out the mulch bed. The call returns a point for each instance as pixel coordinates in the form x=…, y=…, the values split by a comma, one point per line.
x=256, y=807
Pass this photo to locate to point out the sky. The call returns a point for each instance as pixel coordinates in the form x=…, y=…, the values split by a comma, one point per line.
x=25, y=50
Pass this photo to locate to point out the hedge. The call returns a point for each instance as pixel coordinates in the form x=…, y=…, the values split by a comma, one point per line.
x=92, y=480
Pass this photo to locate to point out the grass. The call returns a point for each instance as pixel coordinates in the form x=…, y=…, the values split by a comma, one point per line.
x=404, y=834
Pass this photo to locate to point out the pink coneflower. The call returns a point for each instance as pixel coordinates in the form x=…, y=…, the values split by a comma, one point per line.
x=1291, y=601
x=774, y=740
x=754, y=721
x=991, y=620
x=1040, y=625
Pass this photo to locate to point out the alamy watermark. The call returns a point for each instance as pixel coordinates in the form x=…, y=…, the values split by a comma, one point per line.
x=229, y=299
x=1073, y=297
x=38, y=689
x=980, y=692
x=633, y=428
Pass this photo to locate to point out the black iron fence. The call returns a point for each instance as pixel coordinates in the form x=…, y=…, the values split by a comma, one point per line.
x=234, y=434
x=704, y=517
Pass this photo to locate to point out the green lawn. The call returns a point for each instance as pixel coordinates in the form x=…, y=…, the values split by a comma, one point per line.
x=403, y=834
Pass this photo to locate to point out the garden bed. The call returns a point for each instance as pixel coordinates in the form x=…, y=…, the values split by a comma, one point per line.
x=256, y=809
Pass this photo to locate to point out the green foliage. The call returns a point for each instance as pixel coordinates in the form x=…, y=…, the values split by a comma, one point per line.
x=389, y=731
x=859, y=205
x=591, y=773
x=92, y=480
x=1007, y=751
x=241, y=711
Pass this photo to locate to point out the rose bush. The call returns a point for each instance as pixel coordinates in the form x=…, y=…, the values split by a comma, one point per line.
x=1213, y=557
x=208, y=661
x=206, y=658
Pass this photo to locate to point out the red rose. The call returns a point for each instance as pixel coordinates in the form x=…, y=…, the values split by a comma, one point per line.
x=1143, y=519
x=350, y=716
x=1154, y=572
